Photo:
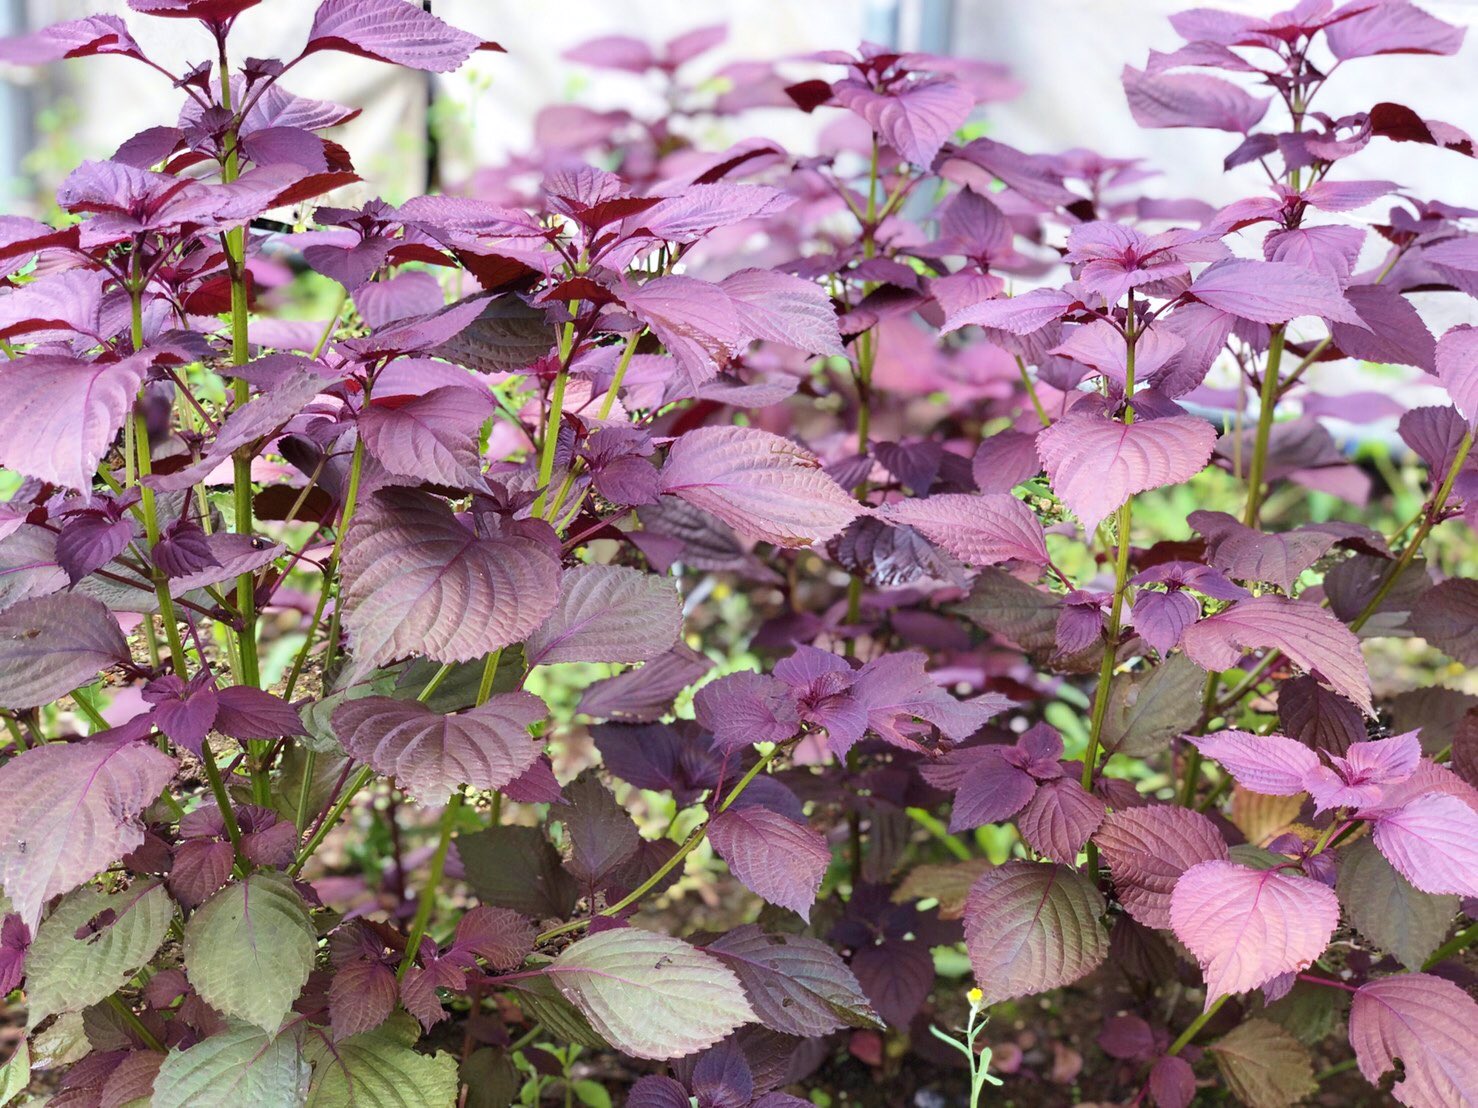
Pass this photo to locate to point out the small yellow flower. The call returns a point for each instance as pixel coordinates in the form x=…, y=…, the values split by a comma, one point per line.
x=975, y=996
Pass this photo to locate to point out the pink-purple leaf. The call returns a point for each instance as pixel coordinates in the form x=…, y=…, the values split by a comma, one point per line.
x=420, y=580
x=1060, y=819
x=432, y=437
x=1005, y=460
x=244, y=712
x=1425, y=1024
x=1247, y=926
x=1271, y=292
x=764, y=486
x=1030, y=927
x=608, y=614
x=1307, y=633
x=1253, y=555
x=1391, y=27
x=1429, y=841
x=796, y=985
x=696, y=320
x=1190, y=100
x=980, y=530
x=77, y=38
x=71, y=810
x=49, y=645
x=915, y=118
x=783, y=309
x=1268, y=764
x=1457, y=365
x=1147, y=849
x=1016, y=315
x=58, y=415
x=391, y=31
x=1096, y=463
x=775, y=857
x=430, y=754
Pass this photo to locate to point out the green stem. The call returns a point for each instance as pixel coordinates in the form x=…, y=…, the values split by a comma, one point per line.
x=936, y=827
x=88, y=709
x=689, y=845
x=426, y=904
x=1430, y=519
x=135, y=1024
x=489, y=675
x=435, y=683
x=1458, y=943
x=223, y=801
x=1031, y=391
x=305, y=790
x=331, y=570
x=351, y=790
x=1196, y=1024
x=1267, y=405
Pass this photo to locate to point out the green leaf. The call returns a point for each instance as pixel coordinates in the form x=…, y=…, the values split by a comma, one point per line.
x=249, y=949
x=1264, y=1065
x=1385, y=907
x=1309, y=1011
x=15, y=1075
x=591, y=1094
x=1148, y=709
x=121, y=932
x=242, y=1066
x=380, y=1069
x=564, y=1022
x=651, y=995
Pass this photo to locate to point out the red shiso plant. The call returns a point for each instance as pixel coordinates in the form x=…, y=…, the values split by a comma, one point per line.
x=845, y=501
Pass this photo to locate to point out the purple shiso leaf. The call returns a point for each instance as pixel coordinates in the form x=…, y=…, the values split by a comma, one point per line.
x=183, y=550
x=78, y=38
x=1096, y=463
x=774, y=857
x=665, y=757
x=896, y=691
x=1147, y=850
x=1429, y=841
x=1268, y=764
x=721, y=1075
x=1390, y=329
x=50, y=645
x=392, y=31
x=1392, y=27
x=1248, y=926
x=914, y=118
x=1434, y=434
x=1307, y=633
x=90, y=540
x=72, y=810
x=1060, y=819
x=1005, y=460
x=411, y=293
x=1318, y=718
x=417, y=333
x=429, y=438
x=59, y=415
x=69, y=302
x=184, y=712
x=1252, y=555
x=796, y=985
x=620, y=52
x=28, y=565
x=980, y=530
x=762, y=485
x=1172, y=1082
x=987, y=788
x=1271, y=292
x=653, y=1091
x=1333, y=251
x=696, y=321
x=1424, y=1025
x=783, y=309
x=15, y=937
x=1457, y=366
x=608, y=614
x=897, y=976
x=1190, y=100
x=207, y=11
x=430, y=754
x=361, y=997
x=1030, y=927
x=1016, y=315
x=250, y=713
x=1161, y=618
x=1445, y=617
x=646, y=693
x=420, y=580
x=746, y=708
